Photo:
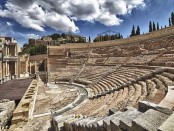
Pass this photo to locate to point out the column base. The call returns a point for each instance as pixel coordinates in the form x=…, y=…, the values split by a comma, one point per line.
x=1, y=81
x=10, y=77
x=15, y=76
x=6, y=78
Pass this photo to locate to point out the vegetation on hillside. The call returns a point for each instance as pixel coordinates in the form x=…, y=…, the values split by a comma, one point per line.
x=152, y=26
x=137, y=32
x=172, y=19
x=70, y=38
x=108, y=37
x=34, y=49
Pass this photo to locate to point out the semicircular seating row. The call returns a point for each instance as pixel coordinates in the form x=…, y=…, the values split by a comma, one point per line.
x=151, y=88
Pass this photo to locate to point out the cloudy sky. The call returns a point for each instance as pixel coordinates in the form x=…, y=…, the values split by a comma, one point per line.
x=22, y=19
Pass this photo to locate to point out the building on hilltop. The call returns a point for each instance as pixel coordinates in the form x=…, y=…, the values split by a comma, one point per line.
x=9, y=58
x=44, y=41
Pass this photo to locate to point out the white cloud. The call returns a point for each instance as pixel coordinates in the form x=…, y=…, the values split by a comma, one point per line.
x=109, y=19
x=61, y=14
x=34, y=36
x=60, y=22
x=9, y=24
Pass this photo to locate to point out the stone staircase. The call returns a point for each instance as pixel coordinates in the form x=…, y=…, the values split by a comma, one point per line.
x=145, y=118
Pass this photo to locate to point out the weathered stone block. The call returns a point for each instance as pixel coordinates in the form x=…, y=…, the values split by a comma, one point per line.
x=149, y=121
x=168, y=124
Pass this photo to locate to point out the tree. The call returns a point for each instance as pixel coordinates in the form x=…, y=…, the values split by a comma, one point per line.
x=157, y=26
x=138, y=30
x=32, y=51
x=89, y=39
x=63, y=35
x=55, y=36
x=133, y=31
x=119, y=36
x=150, y=26
x=154, y=26
x=172, y=18
x=170, y=22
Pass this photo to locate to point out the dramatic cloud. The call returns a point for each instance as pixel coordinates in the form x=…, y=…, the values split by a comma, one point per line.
x=62, y=14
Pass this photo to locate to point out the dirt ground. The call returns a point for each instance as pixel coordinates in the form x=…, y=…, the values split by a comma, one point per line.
x=50, y=98
x=54, y=98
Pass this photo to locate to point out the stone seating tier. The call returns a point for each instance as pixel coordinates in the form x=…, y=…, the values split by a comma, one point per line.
x=148, y=116
x=119, y=74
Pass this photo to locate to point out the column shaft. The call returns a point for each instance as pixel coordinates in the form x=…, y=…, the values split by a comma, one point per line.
x=35, y=66
x=15, y=50
x=8, y=51
x=15, y=67
x=6, y=68
x=30, y=67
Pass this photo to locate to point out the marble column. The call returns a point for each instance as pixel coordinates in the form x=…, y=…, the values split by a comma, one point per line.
x=3, y=69
x=16, y=69
x=1, y=77
x=15, y=50
x=8, y=70
x=35, y=66
x=30, y=68
x=26, y=67
x=8, y=51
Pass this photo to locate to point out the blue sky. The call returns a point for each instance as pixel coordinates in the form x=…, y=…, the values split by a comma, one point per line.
x=37, y=18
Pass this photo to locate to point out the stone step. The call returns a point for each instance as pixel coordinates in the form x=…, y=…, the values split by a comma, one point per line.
x=169, y=75
x=58, y=121
x=143, y=106
x=19, y=112
x=85, y=120
x=137, y=93
x=105, y=123
x=124, y=120
x=17, y=119
x=71, y=125
x=158, y=83
x=168, y=124
x=168, y=101
x=165, y=80
x=91, y=125
x=151, y=88
x=83, y=124
x=144, y=90
x=149, y=121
